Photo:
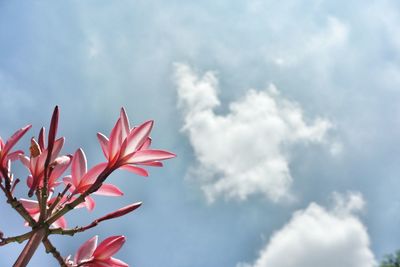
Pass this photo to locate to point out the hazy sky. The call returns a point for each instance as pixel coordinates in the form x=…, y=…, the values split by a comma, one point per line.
x=285, y=117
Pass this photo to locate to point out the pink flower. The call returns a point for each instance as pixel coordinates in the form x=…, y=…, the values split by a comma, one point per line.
x=91, y=255
x=33, y=208
x=36, y=163
x=128, y=147
x=81, y=179
x=5, y=148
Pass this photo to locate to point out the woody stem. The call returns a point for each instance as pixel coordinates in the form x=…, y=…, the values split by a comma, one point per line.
x=30, y=248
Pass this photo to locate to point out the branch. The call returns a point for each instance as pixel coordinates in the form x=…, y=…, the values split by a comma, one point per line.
x=19, y=238
x=58, y=199
x=30, y=248
x=15, y=204
x=118, y=213
x=70, y=206
x=52, y=249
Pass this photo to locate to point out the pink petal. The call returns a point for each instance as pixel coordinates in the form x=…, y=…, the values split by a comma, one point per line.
x=90, y=177
x=135, y=170
x=25, y=160
x=146, y=144
x=89, y=203
x=14, y=155
x=86, y=250
x=14, y=139
x=109, y=247
x=113, y=262
x=62, y=164
x=109, y=190
x=103, y=140
x=115, y=140
x=29, y=181
x=41, y=159
x=58, y=144
x=150, y=155
x=60, y=223
x=137, y=137
x=125, y=127
x=78, y=167
x=152, y=163
x=29, y=205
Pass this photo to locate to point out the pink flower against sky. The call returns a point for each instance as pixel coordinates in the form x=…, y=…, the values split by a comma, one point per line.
x=81, y=179
x=5, y=148
x=129, y=147
x=91, y=255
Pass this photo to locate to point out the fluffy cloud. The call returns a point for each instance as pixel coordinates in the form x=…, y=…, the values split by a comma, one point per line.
x=247, y=150
x=317, y=236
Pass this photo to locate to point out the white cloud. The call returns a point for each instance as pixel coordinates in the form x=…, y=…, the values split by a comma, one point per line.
x=246, y=151
x=317, y=236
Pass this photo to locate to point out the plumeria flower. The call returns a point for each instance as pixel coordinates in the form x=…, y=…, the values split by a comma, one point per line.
x=91, y=255
x=33, y=208
x=81, y=179
x=5, y=155
x=129, y=147
x=36, y=162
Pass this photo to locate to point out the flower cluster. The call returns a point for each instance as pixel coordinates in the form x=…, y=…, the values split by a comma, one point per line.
x=56, y=193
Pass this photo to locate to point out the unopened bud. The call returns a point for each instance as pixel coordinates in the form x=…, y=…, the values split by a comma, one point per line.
x=120, y=212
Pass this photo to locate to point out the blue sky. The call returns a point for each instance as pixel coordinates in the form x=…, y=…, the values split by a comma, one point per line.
x=281, y=114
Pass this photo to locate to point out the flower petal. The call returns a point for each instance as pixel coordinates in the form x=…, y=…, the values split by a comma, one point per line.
x=109, y=247
x=115, y=141
x=152, y=163
x=86, y=250
x=62, y=164
x=14, y=155
x=146, y=144
x=29, y=205
x=78, y=167
x=125, y=127
x=137, y=137
x=89, y=203
x=25, y=160
x=14, y=139
x=60, y=223
x=109, y=190
x=149, y=155
x=113, y=262
x=90, y=177
x=29, y=181
x=103, y=140
x=135, y=170
x=58, y=144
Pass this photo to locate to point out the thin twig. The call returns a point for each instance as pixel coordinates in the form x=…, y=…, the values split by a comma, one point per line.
x=58, y=199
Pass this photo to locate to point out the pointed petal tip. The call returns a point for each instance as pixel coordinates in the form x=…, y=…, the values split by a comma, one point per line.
x=27, y=127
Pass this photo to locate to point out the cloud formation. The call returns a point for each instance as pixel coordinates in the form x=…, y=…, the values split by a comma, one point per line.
x=246, y=151
x=318, y=236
